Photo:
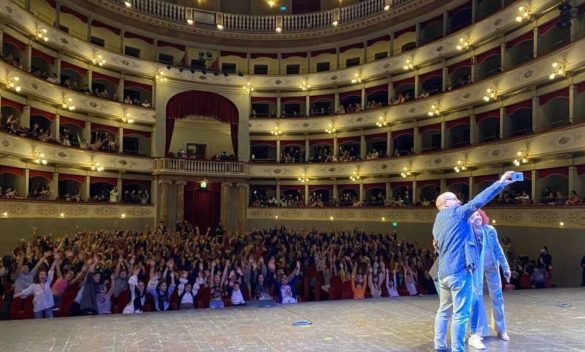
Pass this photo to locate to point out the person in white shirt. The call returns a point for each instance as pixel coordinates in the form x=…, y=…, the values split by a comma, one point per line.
x=104, y=298
x=187, y=292
x=138, y=295
x=236, y=294
x=391, y=284
x=41, y=290
x=114, y=195
x=410, y=280
x=375, y=281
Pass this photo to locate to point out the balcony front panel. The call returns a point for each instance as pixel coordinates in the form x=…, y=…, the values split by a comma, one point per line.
x=200, y=167
x=529, y=216
x=23, y=209
x=55, y=154
x=543, y=145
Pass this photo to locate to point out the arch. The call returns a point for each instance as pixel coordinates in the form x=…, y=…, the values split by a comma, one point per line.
x=208, y=104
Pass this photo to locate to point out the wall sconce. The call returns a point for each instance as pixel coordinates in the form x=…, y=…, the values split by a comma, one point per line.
x=408, y=65
x=219, y=20
x=39, y=158
x=127, y=118
x=406, y=171
x=355, y=176
x=303, y=178
x=336, y=17
x=276, y=131
x=434, y=111
x=189, y=16
x=558, y=70
x=98, y=60
x=160, y=76
x=523, y=13
x=522, y=158
x=278, y=24
x=67, y=104
x=96, y=167
x=123, y=216
x=330, y=128
x=203, y=183
x=248, y=87
x=42, y=34
x=382, y=121
x=461, y=166
x=128, y=3
x=490, y=94
x=304, y=86
x=387, y=5
x=463, y=44
x=14, y=83
x=356, y=78
x=271, y=3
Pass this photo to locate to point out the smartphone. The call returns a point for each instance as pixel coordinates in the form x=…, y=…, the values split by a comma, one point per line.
x=517, y=176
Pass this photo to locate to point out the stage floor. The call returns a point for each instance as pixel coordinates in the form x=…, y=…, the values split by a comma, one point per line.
x=538, y=320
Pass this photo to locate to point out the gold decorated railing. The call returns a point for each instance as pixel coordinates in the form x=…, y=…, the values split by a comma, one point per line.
x=200, y=167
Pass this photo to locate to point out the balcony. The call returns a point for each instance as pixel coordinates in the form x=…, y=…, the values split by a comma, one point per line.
x=201, y=167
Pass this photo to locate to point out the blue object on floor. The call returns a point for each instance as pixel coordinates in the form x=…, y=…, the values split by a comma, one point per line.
x=302, y=323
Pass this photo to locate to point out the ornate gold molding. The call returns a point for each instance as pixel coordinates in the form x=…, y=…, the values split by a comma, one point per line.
x=31, y=210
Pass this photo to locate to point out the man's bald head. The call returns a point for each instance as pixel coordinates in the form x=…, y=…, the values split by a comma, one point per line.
x=446, y=200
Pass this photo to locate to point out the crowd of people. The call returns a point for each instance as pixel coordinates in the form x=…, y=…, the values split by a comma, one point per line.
x=125, y=271
x=292, y=155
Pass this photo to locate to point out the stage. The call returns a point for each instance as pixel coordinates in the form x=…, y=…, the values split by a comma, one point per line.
x=538, y=320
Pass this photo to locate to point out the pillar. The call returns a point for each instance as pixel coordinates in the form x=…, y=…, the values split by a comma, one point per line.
x=180, y=200
x=389, y=144
x=443, y=185
x=87, y=132
x=307, y=105
x=573, y=179
x=502, y=120
x=225, y=201
x=56, y=128
x=472, y=129
x=364, y=97
x=445, y=74
x=119, y=187
x=535, y=40
x=307, y=150
x=443, y=134
x=278, y=106
x=416, y=140
x=54, y=186
x=471, y=190
x=28, y=58
x=120, y=139
x=572, y=102
x=25, y=191
x=363, y=150
x=89, y=24
x=335, y=190
x=535, y=113
x=335, y=145
x=86, y=195
x=336, y=102
x=242, y=206
x=278, y=196
x=362, y=193
x=120, y=92
x=390, y=92
x=416, y=85
x=278, y=151
x=306, y=194
x=164, y=199
x=388, y=192
x=502, y=56
x=535, y=195
x=25, y=117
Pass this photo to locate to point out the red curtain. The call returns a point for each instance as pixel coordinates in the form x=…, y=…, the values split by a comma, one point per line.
x=203, y=207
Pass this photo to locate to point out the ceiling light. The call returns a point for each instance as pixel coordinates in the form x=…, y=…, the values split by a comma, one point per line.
x=408, y=65
x=303, y=178
x=356, y=78
x=382, y=121
x=558, y=70
x=203, y=183
x=14, y=83
x=96, y=167
x=98, y=60
x=434, y=111
x=355, y=176
x=522, y=158
x=160, y=76
x=67, y=104
x=271, y=3
x=491, y=94
x=523, y=13
x=42, y=34
x=276, y=131
x=330, y=128
x=304, y=86
x=463, y=44
x=406, y=171
x=123, y=215
x=461, y=166
x=248, y=87
x=39, y=158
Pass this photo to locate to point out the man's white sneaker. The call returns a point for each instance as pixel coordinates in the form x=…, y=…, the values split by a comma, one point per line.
x=504, y=336
x=475, y=342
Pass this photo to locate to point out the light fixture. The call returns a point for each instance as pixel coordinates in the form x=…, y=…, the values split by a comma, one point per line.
x=189, y=15
x=276, y=131
x=279, y=21
x=330, y=128
x=336, y=17
x=39, y=158
x=382, y=121
x=406, y=171
x=303, y=178
x=523, y=13
x=203, y=183
x=67, y=104
x=248, y=87
x=271, y=3
x=355, y=176
x=42, y=34
x=304, y=86
x=98, y=60
x=123, y=215
x=61, y=215
x=5, y=214
x=331, y=218
x=558, y=70
x=490, y=94
x=434, y=111
x=561, y=224
x=14, y=83
x=522, y=158
x=160, y=76
x=96, y=167
x=356, y=78
x=383, y=218
x=408, y=65
x=219, y=20
x=190, y=21
x=127, y=118
x=461, y=166
x=128, y=3
x=463, y=44
x=493, y=221
x=387, y=5
x=276, y=217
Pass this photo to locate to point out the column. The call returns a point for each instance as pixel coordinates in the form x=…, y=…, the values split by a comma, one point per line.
x=25, y=117
x=119, y=186
x=388, y=192
x=278, y=106
x=28, y=58
x=278, y=152
x=54, y=186
x=443, y=134
x=335, y=190
x=163, y=202
x=445, y=74
x=225, y=201
x=338, y=65
x=535, y=195
x=306, y=194
x=89, y=77
x=362, y=193
x=473, y=68
x=389, y=144
x=56, y=128
x=120, y=139
x=502, y=120
x=572, y=102
x=445, y=20
x=535, y=113
x=85, y=195
x=180, y=200
x=307, y=104
x=26, y=182
x=89, y=22
x=58, y=66
x=471, y=190
x=472, y=129
x=307, y=150
x=364, y=97
x=416, y=140
x=573, y=179
x=443, y=185
x=336, y=102
x=416, y=85
x=390, y=92
x=122, y=41
x=363, y=151
x=473, y=10
x=502, y=56
x=535, y=41
x=417, y=33
x=391, y=45
x=242, y=206
x=278, y=196
x=335, y=145
x=415, y=197
x=87, y=132
x=120, y=92
x=57, y=14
